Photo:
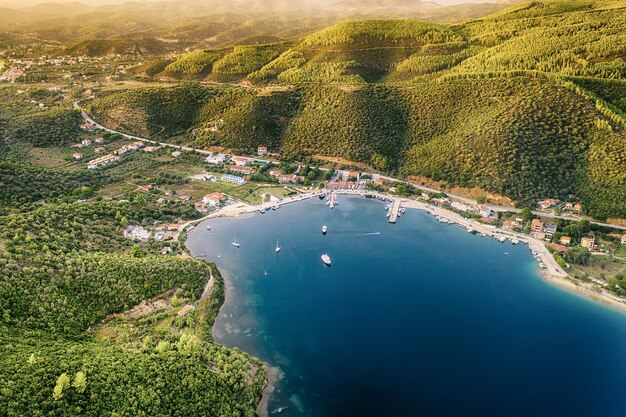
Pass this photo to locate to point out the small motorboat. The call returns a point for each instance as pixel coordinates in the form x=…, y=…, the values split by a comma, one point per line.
x=208, y=228
x=278, y=248
x=324, y=229
x=235, y=243
x=326, y=259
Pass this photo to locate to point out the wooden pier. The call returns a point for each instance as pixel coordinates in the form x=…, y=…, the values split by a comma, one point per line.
x=395, y=208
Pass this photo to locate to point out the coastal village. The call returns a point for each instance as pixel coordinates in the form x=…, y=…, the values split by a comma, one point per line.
x=564, y=241
x=566, y=235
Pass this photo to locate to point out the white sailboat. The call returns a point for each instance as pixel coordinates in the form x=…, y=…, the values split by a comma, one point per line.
x=278, y=248
x=235, y=243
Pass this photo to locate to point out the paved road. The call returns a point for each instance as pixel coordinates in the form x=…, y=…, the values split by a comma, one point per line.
x=465, y=200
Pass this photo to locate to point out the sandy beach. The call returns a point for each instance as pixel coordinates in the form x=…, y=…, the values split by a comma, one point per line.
x=552, y=272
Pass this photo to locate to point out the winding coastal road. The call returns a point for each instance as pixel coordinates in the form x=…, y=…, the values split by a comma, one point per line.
x=462, y=199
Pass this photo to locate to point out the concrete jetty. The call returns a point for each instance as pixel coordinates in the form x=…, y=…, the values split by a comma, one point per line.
x=395, y=208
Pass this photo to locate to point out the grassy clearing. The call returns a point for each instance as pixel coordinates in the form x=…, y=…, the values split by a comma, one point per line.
x=600, y=267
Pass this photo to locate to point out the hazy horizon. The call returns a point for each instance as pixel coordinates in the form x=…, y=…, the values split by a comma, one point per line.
x=20, y=4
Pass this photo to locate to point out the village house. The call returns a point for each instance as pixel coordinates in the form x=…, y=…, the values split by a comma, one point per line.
x=511, y=224
x=557, y=247
x=166, y=250
x=186, y=310
x=289, y=178
x=176, y=154
x=99, y=149
x=85, y=142
x=240, y=160
x=136, y=232
x=103, y=160
x=77, y=155
x=201, y=207
x=588, y=242
x=145, y=187
x=216, y=159
x=185, y=198
x=87, y=127
x=550, y=202
x=536, y=225
x=98, y=140
x=78, y=145
x=565, y=240
x=173, y=227
x=261, y=150
x=242, y=170
x=379, y=181
x=350, y=185
x=484, y=211
x=353, y=175
x=214, y=199
x=624, y=240
x=549, y=229
x=233, y=178
x=575, y=207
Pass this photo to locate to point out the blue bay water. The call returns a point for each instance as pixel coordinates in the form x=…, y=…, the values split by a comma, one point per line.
x=412, y=319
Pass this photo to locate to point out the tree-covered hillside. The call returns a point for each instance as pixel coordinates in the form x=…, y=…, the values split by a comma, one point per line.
x=64, y=268
x=527, y=103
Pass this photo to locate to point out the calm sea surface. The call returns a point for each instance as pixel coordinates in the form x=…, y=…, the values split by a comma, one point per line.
x=412, y=319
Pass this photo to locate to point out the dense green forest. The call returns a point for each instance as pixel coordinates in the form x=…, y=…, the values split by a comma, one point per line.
x=63, y=268
x=526, y=137
x=65, y=265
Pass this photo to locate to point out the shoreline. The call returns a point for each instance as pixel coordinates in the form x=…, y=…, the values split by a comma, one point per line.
x=553, y=273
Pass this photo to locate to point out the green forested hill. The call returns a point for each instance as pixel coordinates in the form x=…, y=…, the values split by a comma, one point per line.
x=528, y=102
x=63, y=268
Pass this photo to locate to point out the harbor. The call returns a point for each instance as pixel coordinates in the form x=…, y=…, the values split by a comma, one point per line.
x=461, y=280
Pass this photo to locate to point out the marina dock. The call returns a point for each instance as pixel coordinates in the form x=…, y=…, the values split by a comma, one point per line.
x=395, y=208
x=332, y=200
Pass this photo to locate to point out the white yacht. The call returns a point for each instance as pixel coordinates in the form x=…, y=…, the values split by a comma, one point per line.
x=326, y=259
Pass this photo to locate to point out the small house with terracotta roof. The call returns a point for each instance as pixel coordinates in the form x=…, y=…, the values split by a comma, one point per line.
x=186, y=310
x=588, y=242
x=536, y=225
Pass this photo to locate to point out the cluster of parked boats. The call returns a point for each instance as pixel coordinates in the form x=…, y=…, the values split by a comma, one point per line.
x=499, y=237
x=263, y=210
x=388, y=207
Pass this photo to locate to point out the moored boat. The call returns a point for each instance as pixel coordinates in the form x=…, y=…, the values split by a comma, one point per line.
x=326, y=259
x=324, y=229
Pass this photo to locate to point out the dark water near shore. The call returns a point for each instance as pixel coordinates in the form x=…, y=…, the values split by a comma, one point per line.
x=412, y=319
